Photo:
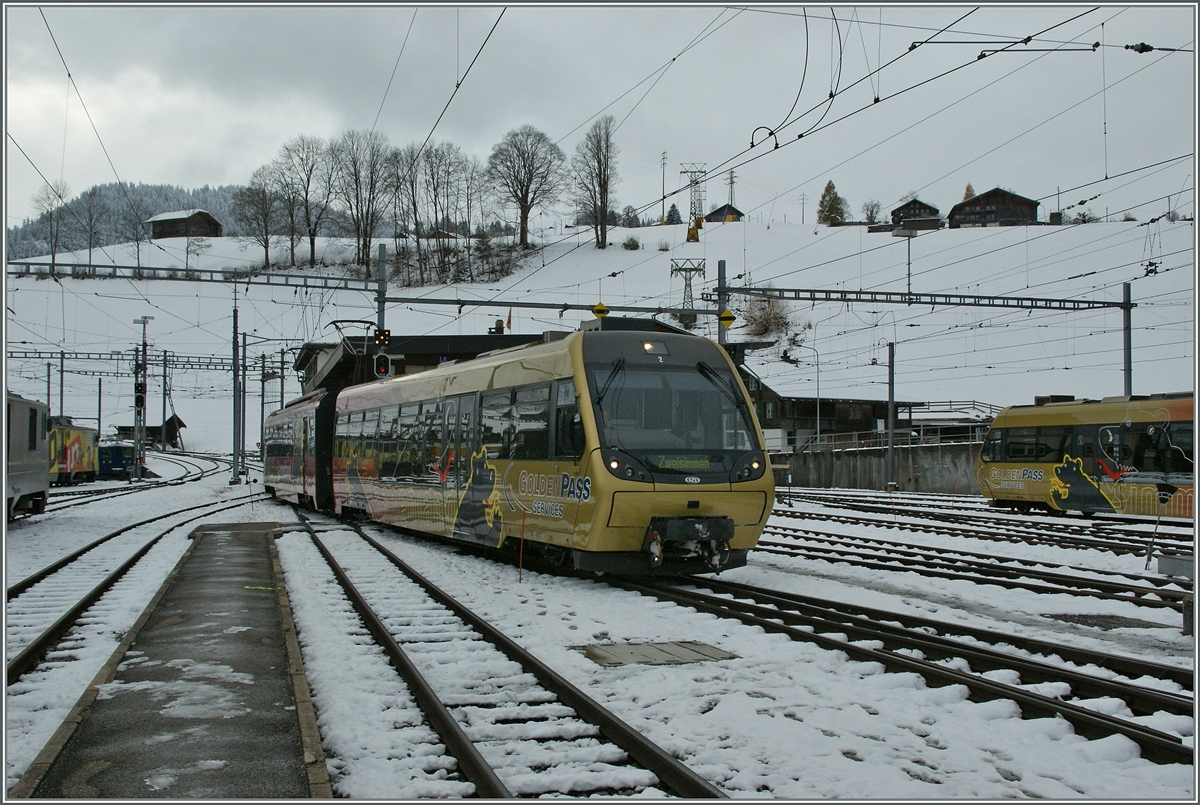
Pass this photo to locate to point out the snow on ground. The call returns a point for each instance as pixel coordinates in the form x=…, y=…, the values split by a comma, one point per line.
x=784, y=718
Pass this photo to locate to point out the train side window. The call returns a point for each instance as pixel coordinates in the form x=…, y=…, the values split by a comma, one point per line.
x=991, y=447
x=1053, y=441
x=33, y=429
x=1179, y=437
x=568, y=426
x=532, y=421
x=409, y=436
x=494, y=418
x=1021, y=444
x=431, y=419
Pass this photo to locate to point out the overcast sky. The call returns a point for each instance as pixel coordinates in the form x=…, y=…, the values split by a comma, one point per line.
x=191, y=96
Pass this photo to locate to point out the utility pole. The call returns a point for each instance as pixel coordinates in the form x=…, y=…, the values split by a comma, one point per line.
x=242, y=409
x=139, y=403
x=891, y=453
x=99, y=409
x=162, y=434
x=663, y=219
x=722, y=299
x=282, y=369
x=1127, y=316
x=236, y=477
x=381, y=278
x=803, y=198
x=61, y=408
x=49, y=374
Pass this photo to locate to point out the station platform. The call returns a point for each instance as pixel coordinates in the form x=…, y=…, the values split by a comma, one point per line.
x=205, y=698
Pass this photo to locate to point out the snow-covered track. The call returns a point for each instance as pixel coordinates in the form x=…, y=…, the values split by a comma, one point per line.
x=193, y=471
x=972, y=519
x=46, y=606
x=1014, y=573
x=23, y=585
x=865, y=641
x=516, y=727
x=1018, y=530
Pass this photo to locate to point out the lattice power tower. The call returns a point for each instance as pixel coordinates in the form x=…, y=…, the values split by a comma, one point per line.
x=695, y=173
x=687, y=268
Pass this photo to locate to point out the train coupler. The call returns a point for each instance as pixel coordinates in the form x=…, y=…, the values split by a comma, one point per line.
x=689, y=539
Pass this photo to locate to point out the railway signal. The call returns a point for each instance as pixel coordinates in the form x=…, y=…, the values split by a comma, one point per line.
x=726, y=318
x=382, y=365
x=382, y=337
x=139, y=395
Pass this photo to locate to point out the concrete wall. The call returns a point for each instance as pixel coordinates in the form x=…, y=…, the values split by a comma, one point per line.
x=939, y=468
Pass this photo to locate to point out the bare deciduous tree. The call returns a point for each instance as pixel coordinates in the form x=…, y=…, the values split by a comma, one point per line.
x=131, y=222
x=527, y=169
x=361, y=159
x=870, y=211
x=50, y=201
x=256, y=208
x=307, y=167
x=405, y=182
x=90, y=218
x=595, y=169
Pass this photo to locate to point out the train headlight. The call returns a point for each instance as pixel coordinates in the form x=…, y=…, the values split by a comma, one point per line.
x=625, y=466
x=749, y=467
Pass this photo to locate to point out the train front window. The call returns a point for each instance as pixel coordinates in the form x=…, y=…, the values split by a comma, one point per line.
x=665, y=414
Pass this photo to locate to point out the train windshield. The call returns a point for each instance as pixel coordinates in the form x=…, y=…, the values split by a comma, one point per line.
x=675, y=418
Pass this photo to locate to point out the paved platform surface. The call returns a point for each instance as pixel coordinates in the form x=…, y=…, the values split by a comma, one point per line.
x=201, y=704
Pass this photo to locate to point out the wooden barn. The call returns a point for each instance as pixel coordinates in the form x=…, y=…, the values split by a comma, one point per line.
x=184, y=224
x=726, y=213
x=996, y=207
x=913, y=209
x=154, y=433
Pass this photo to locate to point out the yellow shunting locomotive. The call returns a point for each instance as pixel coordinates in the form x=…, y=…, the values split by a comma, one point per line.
x=619, y=449
x=1122, y=455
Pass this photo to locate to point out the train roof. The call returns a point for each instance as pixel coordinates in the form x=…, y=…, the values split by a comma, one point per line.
x=442, y=376
x=12, y=395
x=1178, y=406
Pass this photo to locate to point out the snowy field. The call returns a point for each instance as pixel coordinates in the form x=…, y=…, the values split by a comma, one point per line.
x=784, y=719
x=1001, y=357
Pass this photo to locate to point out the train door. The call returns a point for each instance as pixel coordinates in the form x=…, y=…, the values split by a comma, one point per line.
x=1083, y=447
x=459, y=417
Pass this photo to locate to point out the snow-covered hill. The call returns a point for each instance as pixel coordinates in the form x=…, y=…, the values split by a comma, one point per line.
x=991, y=355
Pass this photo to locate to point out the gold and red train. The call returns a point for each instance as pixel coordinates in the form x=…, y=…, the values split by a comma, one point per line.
x=613, y=450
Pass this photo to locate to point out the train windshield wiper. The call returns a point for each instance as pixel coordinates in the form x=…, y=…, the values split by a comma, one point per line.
x=724, y=386
x=618, y=365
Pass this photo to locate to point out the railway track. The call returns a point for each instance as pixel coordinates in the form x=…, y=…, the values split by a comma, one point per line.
x=995, y=530
x=1014, y=573
x=514, y=726
x=941, y=660
x=1125, y=533
x=193, y=471
x=44, y=607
